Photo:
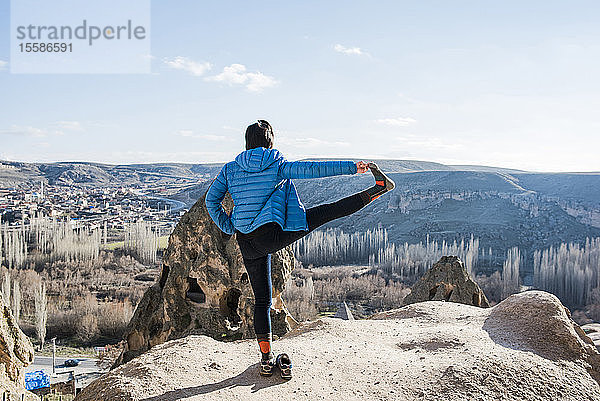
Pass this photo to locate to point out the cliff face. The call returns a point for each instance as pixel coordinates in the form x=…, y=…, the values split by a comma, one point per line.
x=16, y=352
x=525, y=348
x=203, y=289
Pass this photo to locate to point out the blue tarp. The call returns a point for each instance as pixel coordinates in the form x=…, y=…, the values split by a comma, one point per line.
x=37, y=379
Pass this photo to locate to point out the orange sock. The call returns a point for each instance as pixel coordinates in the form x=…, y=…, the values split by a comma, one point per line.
x=264, y=343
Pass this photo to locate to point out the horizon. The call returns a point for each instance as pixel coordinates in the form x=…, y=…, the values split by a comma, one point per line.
x=310, y=158
x=509, y=85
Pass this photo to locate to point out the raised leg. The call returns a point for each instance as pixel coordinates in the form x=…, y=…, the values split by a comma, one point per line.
x=319, y=215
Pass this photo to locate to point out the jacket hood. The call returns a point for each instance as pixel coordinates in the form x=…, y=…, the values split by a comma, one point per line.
x=257, y=159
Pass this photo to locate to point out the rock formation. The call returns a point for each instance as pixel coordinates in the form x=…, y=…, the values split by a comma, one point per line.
x=447, y=280
x=525, y=348
x=203, y=289
x=536, y=321
x=16, y=352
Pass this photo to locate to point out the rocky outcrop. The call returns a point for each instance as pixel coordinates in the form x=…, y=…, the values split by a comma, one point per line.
x=525, y=348
x=16, y=352
x=203, y=289
x=447, y=280
x=536, y=321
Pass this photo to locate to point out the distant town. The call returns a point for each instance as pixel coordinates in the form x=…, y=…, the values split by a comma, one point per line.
x=90, y=207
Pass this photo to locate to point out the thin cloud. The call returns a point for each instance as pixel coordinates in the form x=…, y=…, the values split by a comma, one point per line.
x=56, y=128
x=396, y=122
x=351, y=51
x=18, y=130
x=192, y=67
x=237, y=74
x=3, y=64
x=69, y=125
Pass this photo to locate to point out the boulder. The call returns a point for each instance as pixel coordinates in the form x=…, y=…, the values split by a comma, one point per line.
x=16, y=352
x=537, y=321
x=447, y=280
x=525, y=348
x=203, y=288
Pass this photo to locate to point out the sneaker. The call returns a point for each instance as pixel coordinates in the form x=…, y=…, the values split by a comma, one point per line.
x=383, y=183
x=266, y=367
x=284, y=363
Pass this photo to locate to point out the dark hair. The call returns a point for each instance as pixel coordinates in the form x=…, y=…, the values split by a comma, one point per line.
x=259, y=134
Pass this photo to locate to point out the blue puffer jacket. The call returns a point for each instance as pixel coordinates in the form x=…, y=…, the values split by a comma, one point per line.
x=259, y=181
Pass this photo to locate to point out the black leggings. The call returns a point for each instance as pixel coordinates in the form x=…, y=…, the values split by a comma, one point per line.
x=257, y=246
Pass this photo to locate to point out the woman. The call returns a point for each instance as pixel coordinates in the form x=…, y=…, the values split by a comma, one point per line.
x=268, y=215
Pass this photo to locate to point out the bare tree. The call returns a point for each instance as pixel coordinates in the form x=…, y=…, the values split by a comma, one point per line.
x=16, y=300
x=6, y=288
x=569, y=271
x=14, y=245
x=41, y=312
x=510, y=272
x=142, y=240
x=405, y=261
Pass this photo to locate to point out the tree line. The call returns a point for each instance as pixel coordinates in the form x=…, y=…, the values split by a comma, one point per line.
x=571, y=271
x=405, y=262
x=59, y=278
x=46, y=240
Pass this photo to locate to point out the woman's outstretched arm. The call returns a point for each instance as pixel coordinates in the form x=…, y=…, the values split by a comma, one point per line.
x=214, y=196
x=318, y=169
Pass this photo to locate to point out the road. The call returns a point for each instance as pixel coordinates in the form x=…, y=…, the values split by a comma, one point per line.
x=175, y=204
x=84, y=373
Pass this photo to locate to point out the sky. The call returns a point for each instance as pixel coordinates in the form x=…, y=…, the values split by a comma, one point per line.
x=500, y=83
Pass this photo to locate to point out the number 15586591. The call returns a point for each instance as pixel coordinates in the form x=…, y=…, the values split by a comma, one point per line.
x=46, y=47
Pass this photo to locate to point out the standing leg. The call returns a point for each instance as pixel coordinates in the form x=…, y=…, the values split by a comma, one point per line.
x=259, y=272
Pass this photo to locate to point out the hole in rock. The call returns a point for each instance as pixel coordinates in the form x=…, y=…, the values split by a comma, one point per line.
x=229, y=305
x=476, y=300
x=244, y=278
x=155, y=329
x=432, y=292
x=163, y=275
x=194, y=292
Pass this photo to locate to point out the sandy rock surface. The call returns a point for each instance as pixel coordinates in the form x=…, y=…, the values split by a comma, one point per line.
x=525, y=348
